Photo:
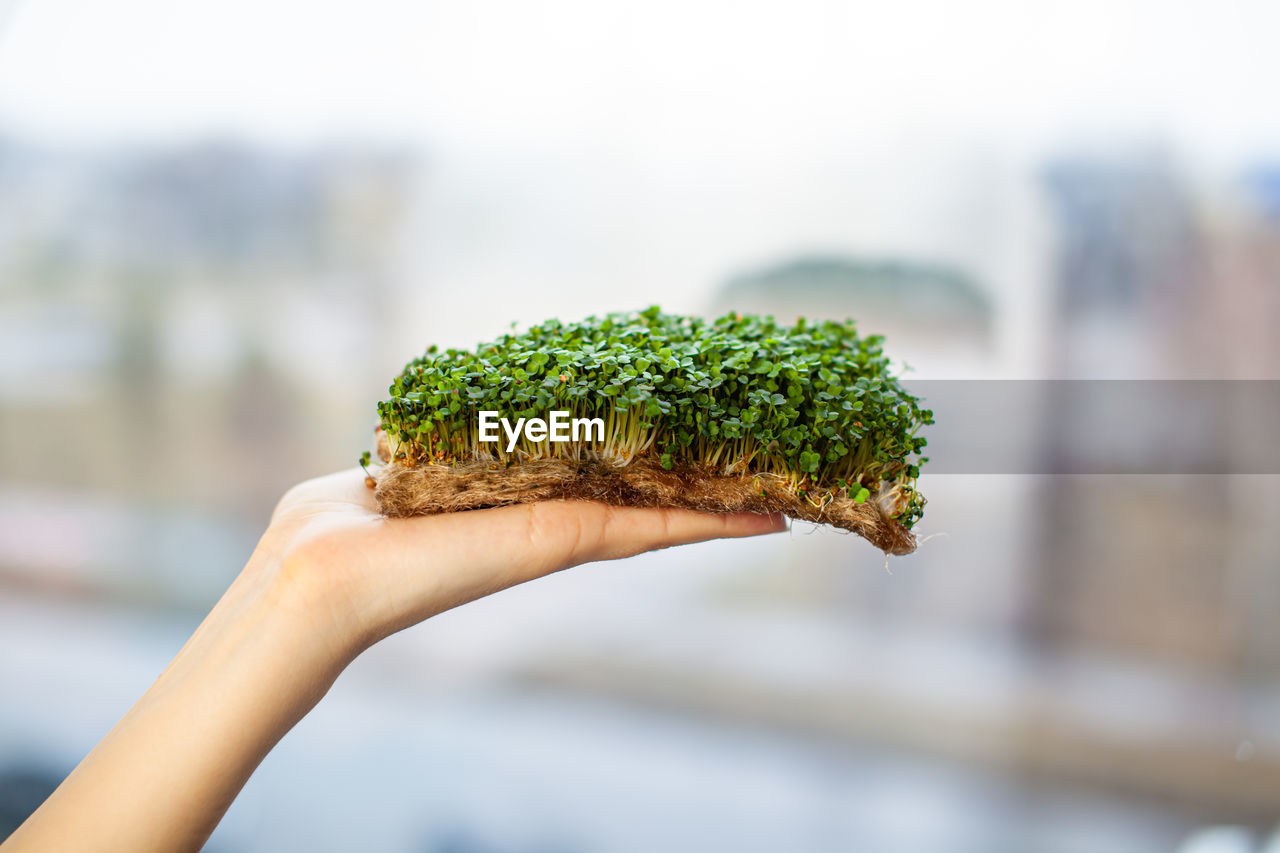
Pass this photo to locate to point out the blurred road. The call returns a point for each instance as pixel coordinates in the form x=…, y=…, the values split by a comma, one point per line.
x=403, y=758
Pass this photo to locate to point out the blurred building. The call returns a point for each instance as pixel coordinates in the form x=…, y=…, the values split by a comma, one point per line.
x=917, y=306
x=1141, y=291
x=200, y=324
x=187, y=330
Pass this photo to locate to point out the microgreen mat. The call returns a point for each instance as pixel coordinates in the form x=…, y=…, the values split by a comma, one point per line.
x=815, y=403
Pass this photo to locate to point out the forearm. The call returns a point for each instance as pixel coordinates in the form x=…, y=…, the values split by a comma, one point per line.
x=330, y=577
x=167, y=772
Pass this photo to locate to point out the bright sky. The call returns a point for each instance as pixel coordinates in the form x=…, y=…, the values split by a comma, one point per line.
x=662, y=76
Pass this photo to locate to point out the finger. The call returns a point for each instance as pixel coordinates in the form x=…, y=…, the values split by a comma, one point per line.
x=546, y=536
x=488, y=550
x=626, y=531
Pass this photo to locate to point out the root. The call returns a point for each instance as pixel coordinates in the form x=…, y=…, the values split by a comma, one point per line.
x=408, y=490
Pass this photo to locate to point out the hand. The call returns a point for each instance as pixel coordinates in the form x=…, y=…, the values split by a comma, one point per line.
x=329, y=577
x=369, y=576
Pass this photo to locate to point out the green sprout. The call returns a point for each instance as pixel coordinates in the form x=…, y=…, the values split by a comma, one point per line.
x=740, y=395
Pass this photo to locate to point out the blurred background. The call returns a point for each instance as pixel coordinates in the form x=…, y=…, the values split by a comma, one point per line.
x=225, y=226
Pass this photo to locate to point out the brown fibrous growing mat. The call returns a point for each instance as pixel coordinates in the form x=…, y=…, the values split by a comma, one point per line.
x=405, y=490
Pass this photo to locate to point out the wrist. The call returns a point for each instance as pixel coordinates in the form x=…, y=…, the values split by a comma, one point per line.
x=311, y=606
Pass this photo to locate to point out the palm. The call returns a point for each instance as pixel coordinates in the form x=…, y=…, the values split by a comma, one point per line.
x=382, y=574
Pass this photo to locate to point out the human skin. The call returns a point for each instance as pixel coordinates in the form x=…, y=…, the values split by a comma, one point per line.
x=329, y=578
